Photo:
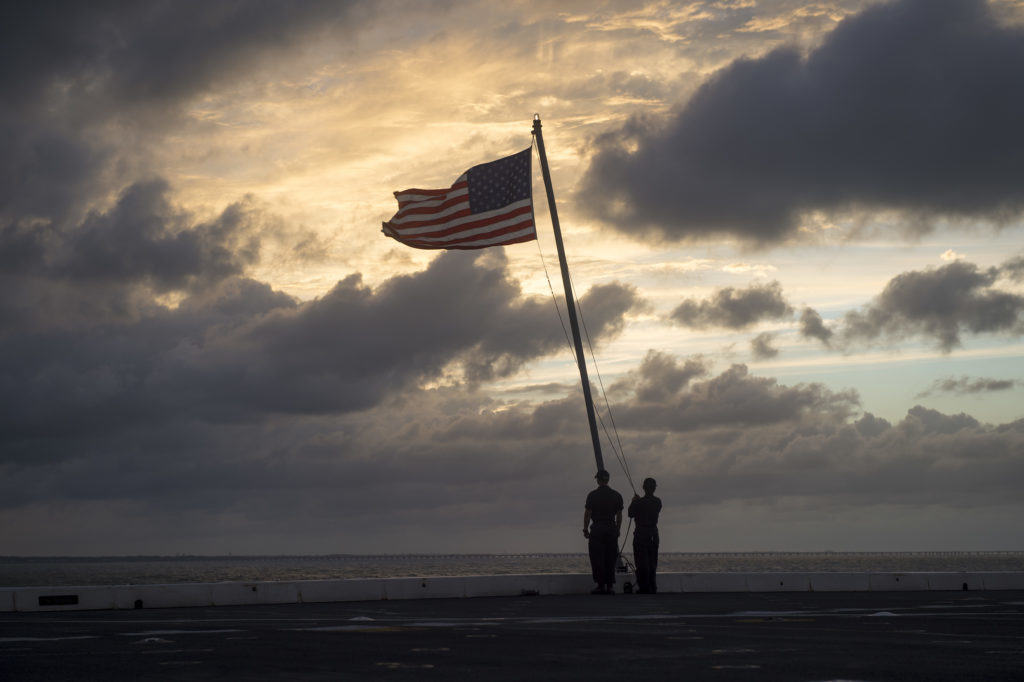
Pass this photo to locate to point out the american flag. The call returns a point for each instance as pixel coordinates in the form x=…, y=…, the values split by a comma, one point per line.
x=488, y=205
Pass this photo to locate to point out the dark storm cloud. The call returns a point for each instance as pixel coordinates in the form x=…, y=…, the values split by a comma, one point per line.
x=738, y=436
x=911, y=105
x=734, y=308
x=487, y=469
x=927, y=458
x=350, y=347
x=145, y=238
x=661, y=376
x=734, y=397
x=238, y=351
x=941, y=303
x=70, y=69
x=761, y=346
x=967, y=386
x=133, y=52
x=47, y=168
x=514, y=338
x=110, y=265
x=813, y=327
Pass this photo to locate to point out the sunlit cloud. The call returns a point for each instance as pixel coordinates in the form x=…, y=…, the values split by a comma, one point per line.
x=743, y=268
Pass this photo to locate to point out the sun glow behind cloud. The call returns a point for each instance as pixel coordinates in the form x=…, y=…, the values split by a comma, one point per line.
x=325, y=134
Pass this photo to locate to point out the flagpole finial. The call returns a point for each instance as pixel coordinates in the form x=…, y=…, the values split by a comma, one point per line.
x=536, y=123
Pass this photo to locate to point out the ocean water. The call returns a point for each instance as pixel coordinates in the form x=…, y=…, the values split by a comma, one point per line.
x=39, y=571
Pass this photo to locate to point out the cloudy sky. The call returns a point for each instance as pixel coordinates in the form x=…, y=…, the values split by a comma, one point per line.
x=795, y=227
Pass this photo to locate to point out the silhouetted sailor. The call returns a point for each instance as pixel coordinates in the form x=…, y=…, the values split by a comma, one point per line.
x=644, y=511
x=602, y=520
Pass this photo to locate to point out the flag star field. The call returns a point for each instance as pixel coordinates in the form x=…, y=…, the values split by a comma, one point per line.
x=499, y=183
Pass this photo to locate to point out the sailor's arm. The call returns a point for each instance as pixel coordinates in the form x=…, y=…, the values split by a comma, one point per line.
x=586, y=523
x=618, y=521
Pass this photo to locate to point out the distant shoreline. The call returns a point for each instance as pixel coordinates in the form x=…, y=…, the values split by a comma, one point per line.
x=182, y=568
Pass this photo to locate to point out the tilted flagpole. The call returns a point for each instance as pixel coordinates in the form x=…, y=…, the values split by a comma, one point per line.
x=569, y=300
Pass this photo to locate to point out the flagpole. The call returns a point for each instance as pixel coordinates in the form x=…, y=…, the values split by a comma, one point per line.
x=581, y=360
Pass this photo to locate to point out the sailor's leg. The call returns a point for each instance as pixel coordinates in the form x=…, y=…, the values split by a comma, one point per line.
x=653, y=561
x=611, y=556
x=596, y=558
x=640, y=557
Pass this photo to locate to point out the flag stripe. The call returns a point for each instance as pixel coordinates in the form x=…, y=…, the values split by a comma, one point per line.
x=411, y=196
x=408, y=194
x=466, y=221
x=415, y=226
x=418, y=214
x=488, y=205
x=528, y=235
x=475, y=228
x=513, y=235
x=491, y=235
x=426, y=206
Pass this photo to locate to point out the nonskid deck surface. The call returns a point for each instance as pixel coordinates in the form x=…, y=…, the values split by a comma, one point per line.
x=762, y=636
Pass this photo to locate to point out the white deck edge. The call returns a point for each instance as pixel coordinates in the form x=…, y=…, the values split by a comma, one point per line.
x=93, y=597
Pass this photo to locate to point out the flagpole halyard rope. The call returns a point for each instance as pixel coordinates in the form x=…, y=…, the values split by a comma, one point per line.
x=619, y=455
x=604, y=394
x=554, y=299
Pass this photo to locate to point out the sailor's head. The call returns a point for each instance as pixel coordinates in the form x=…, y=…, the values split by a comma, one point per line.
x=649, y=485
x=602, y=476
